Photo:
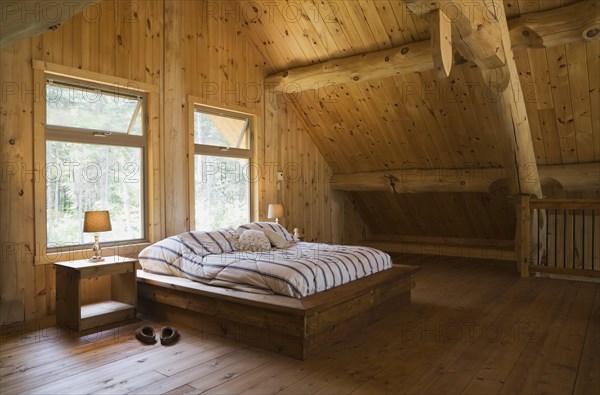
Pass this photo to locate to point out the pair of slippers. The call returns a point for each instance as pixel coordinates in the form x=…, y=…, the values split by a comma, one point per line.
x=168, y=335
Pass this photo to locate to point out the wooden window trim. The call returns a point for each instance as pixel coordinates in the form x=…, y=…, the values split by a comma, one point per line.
x=194, y=103
x=154, y=218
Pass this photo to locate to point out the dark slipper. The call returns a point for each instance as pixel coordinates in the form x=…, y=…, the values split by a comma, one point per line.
x=168, y=335
x=145, y=334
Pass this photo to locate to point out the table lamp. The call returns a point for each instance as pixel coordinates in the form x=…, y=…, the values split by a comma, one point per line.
x=275, y=211
x=96, y=222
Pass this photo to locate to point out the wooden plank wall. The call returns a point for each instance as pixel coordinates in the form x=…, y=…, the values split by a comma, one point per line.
x=466, y=215
x=311, y=205
x=16, y=193
x=186, y=48
x=205, y=57
x=113, y=37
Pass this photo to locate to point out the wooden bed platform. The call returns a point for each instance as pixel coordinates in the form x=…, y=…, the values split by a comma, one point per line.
x=294, y=327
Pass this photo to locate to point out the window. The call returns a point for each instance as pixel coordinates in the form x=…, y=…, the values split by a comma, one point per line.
x=221, y=168
x=95, y=154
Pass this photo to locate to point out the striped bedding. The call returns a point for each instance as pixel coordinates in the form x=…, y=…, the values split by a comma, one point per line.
x=298, y=271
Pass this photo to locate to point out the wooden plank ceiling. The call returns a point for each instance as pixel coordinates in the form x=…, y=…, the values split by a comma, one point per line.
x=416, y=120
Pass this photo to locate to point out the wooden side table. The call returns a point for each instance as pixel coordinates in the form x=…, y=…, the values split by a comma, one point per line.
x=123, y=294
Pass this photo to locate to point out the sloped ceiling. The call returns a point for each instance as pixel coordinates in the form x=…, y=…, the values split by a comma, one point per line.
x=20, y=19
x=418, y=120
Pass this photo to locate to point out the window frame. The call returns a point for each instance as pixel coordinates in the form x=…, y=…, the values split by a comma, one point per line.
x=148, y=142
x=226, y=152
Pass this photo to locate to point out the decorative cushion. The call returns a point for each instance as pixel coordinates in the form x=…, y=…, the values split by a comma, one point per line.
x=277, y=240
x=252, y=240
x=275, y=227
x=205, y=243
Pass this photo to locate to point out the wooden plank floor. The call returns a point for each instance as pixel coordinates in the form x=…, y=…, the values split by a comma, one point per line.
x=472, y=328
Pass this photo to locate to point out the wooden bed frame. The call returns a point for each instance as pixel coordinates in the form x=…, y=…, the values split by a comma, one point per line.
x=294, y=327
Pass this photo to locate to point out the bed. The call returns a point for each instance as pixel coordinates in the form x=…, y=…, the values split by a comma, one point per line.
x=182, y=282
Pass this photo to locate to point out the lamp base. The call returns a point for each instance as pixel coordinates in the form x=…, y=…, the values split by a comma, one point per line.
x=97, y=250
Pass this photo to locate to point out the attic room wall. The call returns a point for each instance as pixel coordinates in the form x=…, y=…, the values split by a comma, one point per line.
x=191, y=54
x=120, y=39
x=311, y=205
x=205, y=57
x=186, y=48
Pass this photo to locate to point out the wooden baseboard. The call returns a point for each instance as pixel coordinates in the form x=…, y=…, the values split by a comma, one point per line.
x=23, y=327
x=565, y=271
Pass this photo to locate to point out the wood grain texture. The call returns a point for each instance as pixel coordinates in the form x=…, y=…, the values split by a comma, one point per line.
x=441, y=43
x=307, y=191
x=420, y=121
x=576, y=177
x=131, y=43
x=23, y=19
x=556, y=27
x=414, y=120
x=471, y=328
x=467, y=21
x=29, y=291
x=297, y=327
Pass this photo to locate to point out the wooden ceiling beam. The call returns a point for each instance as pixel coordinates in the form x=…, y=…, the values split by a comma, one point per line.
x=441, y=44
x=574, y=177
x=474, y=31
x=576, y=22
x=22, y=19
x=410, y=58
x=480, y=32
x=417, y=57
x=511, y=124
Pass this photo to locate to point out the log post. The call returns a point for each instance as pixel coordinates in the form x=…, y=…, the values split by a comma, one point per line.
x=512, y=124
x=522, y=236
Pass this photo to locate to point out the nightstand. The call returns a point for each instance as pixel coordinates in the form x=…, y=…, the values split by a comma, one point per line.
x=123, y=292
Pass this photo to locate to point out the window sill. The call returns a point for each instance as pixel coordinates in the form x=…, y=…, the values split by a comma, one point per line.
x=129, y=250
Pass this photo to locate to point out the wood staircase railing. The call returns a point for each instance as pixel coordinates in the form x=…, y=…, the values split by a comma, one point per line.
x=560, y=236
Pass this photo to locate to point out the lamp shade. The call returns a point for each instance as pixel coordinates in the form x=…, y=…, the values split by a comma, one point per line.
x=96, y=221
x=275, y=211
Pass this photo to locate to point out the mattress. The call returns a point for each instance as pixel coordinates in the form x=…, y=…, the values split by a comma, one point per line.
x=298, y=271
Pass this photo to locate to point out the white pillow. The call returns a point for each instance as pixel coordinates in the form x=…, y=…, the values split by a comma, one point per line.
x=275, y=227
x=252, y=240
x=277, y=240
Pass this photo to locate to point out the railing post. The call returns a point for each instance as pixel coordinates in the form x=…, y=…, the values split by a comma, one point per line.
x=522, y=236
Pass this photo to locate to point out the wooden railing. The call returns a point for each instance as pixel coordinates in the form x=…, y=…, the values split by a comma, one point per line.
x=559, y=236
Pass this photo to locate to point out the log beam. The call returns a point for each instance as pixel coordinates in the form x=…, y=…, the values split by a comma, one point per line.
x=579, y=21
x=575, y=177
x=441, y=44
x=410, y=58
x=22, y=19
x=512, y=124
x=474, y=28
x=416, y=57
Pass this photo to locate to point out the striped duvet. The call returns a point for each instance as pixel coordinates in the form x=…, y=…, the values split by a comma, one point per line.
x=298, y=271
